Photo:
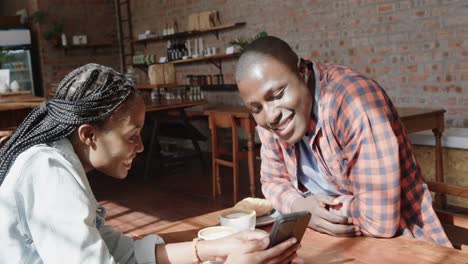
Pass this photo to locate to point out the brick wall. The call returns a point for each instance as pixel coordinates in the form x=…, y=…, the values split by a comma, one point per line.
x=94, y=18
x=417, y=50
x=9, y=8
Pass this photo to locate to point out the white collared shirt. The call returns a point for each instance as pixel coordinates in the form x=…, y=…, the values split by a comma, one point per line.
x=48, y=214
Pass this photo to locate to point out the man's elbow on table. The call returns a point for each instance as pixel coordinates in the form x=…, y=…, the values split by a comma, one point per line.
x=383, y=229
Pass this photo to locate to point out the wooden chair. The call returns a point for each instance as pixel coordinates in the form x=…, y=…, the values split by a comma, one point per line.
x=455, y=224
x=220, y=156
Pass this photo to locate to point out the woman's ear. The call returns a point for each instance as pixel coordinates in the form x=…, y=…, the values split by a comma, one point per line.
x=87, y=134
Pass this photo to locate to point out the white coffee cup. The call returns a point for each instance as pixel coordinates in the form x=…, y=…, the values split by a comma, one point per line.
x=215, y=232
x=240, y=219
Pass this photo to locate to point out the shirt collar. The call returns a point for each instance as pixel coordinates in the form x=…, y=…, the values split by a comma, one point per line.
x=315, y=113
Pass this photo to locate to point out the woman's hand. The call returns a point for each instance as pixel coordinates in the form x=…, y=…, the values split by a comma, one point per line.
x=284, y=252
x=322, y=219
x=249, y=247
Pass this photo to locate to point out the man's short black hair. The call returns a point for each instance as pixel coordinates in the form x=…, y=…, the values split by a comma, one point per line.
x=265, y=48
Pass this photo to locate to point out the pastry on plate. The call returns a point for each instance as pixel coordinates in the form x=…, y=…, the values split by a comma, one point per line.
x=261, y=206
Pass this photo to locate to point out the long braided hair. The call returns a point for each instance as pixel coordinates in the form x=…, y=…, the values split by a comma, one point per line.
x=87, y=95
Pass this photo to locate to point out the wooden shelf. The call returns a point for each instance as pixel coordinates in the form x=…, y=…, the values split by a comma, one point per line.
x=155, y=86
x=5, y=94
x=209, y=87
x=87, y=46
x=205, y=58
x=186, y=34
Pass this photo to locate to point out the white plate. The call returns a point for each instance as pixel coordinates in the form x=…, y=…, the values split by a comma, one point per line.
x=267, y=219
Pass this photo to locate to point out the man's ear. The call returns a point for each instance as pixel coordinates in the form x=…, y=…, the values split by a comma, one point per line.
x=87, y=134
x=305, y=69
x=302, y=67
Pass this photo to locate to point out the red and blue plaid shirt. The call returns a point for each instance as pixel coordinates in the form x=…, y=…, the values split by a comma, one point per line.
x=363, y=152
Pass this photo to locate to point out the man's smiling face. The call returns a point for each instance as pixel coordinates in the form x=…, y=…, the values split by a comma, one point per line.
x=278, y=98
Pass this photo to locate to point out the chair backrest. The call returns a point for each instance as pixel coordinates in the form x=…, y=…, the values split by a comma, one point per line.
x=221, y=119
x=224, y=120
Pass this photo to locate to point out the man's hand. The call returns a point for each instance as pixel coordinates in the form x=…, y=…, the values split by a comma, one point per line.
x=322, y=219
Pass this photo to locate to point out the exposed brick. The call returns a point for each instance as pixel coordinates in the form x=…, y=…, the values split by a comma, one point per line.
x=434, y=67
x=385, y=8
x=376, y=60
x=454, y=89
x=464, y=77
x=431, y=88
x=409, y=68
x=455, y=43
x=421, y=44
x=419, y=78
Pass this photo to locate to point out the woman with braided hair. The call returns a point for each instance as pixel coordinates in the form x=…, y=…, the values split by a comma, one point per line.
x=48, y=213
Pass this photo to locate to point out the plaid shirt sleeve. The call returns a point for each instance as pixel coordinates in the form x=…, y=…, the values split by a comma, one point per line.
x=363, y=128
x=276, y=181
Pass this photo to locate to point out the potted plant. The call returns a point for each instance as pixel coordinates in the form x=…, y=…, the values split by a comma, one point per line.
x=38, y=16
x=3, y=56
x=53, y=32
x=242, y=42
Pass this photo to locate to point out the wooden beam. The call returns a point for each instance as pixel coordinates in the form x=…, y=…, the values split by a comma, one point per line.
x=452, y=218
x=448, y=189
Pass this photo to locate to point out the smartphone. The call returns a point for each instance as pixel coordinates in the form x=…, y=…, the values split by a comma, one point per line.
x=289, y=225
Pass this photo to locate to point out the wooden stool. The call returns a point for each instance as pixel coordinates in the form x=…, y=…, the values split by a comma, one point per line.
x=219, y=119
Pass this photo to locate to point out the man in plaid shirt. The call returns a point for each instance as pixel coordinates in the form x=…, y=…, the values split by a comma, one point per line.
x=333, y=144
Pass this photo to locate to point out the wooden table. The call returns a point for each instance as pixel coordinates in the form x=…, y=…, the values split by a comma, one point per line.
x=13, y=109
x=155, y=109
x=247, y=122
x=419, y=119
x=320, y=248
x=165, y=105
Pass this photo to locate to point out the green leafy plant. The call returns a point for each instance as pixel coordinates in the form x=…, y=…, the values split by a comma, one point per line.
x=53, y=31
x=3, y=56
x=38, y=16
x=243, y=42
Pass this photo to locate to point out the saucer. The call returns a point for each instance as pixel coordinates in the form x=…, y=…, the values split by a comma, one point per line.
x=267, y=219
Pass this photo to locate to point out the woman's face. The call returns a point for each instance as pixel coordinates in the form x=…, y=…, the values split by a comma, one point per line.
x=119, y=141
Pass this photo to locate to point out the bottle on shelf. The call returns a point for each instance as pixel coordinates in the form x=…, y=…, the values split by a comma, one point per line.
x=165, y=30
x=176, y=27
x=63, y=38
x=130, y=74
x=155, y=94
x=169, y=51
x=177, y=49
x=189, y=50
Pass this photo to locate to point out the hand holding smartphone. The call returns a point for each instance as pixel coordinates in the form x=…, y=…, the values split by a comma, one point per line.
x=289, y=225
